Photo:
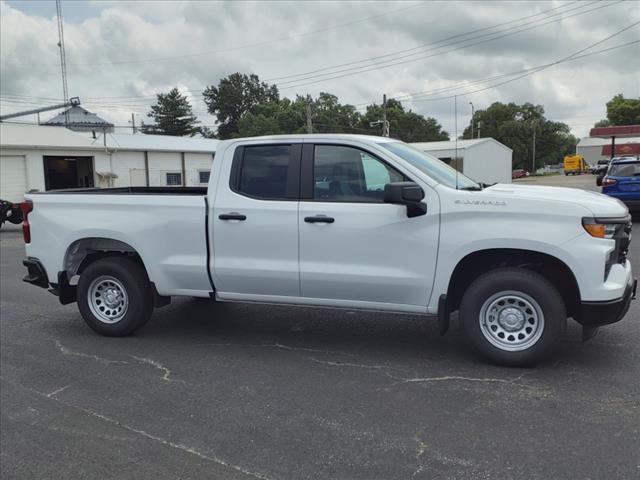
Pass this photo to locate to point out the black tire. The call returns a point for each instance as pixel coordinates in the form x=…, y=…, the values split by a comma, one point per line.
x=16, y=216
x=520, y=289
x=135, y=283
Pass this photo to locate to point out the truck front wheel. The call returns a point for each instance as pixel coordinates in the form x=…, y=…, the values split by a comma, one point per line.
x=115, y=296
x=513, y=316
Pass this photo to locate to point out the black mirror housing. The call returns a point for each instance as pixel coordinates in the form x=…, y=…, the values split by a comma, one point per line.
x=403, y=193
x=599, y=180
x=406, y=193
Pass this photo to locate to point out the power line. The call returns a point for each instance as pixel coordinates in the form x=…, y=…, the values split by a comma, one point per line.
x=544, y=67
x=137, y=99
x=241, y=47
x=523, y=73
x=359, y=70
x=418, y=47
x=416, y=96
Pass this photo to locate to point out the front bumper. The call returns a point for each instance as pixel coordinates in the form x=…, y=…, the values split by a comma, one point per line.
x=595, y=314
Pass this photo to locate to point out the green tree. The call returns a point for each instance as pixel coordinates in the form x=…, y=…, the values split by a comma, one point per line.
x=330, y=116
x=406, y=125
x=513, y=125
x=621, y=111
x=237, y=95
x=172, y=115
x=286, y=116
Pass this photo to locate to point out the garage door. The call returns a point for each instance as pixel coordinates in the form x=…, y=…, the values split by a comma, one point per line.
x=13, y=178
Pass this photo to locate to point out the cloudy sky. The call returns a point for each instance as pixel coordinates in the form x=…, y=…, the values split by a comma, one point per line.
x=121, y=53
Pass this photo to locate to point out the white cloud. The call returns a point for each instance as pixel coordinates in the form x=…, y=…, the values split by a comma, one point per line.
x=109, y=45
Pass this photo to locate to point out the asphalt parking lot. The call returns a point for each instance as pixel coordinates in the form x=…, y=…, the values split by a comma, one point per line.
x=230, y=391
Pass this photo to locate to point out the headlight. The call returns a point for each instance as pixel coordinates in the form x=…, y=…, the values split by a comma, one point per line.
x=601, y=228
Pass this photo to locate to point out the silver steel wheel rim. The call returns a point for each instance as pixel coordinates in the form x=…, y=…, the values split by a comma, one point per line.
x=107, y=299
x=511, y=321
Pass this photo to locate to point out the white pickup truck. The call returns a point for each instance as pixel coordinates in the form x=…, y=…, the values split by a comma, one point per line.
x=347, y=221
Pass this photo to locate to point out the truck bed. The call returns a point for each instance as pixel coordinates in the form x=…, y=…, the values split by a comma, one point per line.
x=165, y=226
x=202, y=191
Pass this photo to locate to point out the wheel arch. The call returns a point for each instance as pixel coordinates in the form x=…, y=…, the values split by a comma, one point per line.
x=84, y=251
x=476, y=263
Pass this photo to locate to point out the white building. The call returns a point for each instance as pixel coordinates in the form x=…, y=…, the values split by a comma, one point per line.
x=484, y=159
x=45, y=158
x=599, y=148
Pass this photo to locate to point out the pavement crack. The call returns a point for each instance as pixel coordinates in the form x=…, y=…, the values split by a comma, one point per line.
x=166, y=373
x=66, y=351
x=150, y=436
x=351, y=365
x=460, y=378
x=420, y=449
x=436, y=457
x=282, y=347
x=177, y=446
x=57, y=391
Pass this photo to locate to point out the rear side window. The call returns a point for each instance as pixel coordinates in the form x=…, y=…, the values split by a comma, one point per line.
x=627, y=169
x=264, y=171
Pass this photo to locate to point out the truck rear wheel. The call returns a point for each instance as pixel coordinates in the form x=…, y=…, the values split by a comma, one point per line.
x=513, y=316
x=115, y=296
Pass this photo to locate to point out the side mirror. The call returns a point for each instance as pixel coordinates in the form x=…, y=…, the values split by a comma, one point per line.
x=406, y=193
x=599, y=180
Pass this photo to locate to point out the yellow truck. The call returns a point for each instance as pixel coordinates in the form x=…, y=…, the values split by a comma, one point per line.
x=575, y=165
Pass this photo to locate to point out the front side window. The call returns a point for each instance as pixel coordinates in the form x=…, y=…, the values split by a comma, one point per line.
x=347, y=174
x=264, y=171
x=431, y=166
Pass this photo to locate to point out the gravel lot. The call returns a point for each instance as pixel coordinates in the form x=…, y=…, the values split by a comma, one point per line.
x=230, y=391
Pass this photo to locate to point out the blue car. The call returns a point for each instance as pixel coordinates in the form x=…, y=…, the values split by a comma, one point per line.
x=622, y=181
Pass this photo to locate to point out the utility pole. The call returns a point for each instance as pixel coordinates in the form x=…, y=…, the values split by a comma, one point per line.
x=63, y=61
x=308, y=114
x=479, y=124
x=133, y=122
x=385, y=123
x=472, y=112
x=533, y=149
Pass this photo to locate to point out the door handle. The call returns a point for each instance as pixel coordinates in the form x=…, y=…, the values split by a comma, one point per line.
x=319, y=219
x=232, y=216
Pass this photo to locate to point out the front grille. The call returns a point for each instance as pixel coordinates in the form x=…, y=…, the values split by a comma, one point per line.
x=622, y=237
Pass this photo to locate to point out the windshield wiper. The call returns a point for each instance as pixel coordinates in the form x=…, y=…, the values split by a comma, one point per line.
x=476, y=188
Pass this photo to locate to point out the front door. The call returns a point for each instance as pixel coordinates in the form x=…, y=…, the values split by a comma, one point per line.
x=354, y=248
x=255, y=224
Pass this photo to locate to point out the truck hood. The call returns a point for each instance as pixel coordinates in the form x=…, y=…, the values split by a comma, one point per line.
x=600, y=205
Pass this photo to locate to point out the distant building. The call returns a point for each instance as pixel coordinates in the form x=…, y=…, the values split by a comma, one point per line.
x=46, y=158
x=606, y=142
x=81, y=120
x=483, y=159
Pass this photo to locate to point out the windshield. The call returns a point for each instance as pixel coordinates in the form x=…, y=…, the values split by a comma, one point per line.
x=626, y=169
x=431, y=166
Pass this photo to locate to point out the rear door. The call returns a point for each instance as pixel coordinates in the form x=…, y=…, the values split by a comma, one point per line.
x=255, y=223
x=356, y=250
